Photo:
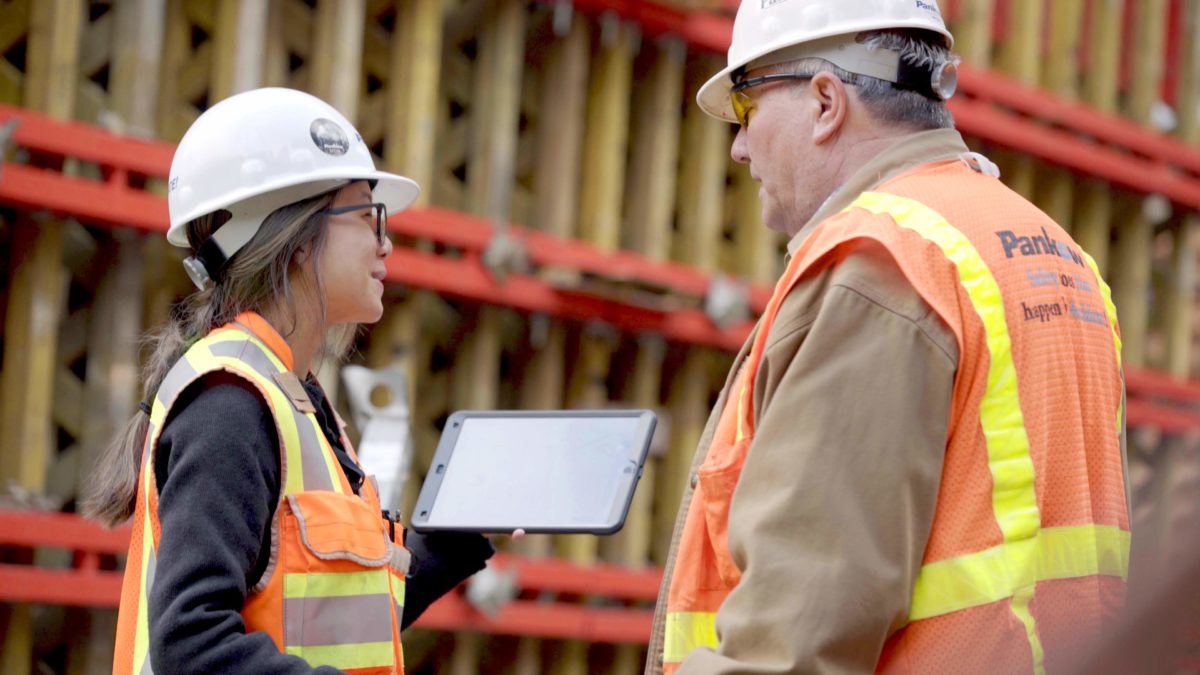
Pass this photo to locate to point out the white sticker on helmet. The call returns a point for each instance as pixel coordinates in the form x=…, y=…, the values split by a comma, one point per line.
x=329, y=137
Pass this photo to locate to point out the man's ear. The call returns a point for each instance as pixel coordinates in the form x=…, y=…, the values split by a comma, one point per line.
x=833, y=103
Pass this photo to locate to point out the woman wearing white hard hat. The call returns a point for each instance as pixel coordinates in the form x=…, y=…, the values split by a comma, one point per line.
x=258, y=543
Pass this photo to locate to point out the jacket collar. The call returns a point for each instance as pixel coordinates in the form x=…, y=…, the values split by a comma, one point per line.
x=910, y=151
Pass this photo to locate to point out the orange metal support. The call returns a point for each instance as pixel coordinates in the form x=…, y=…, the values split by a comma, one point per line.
x=86, y=585
x=117, y=201
x=999, y=110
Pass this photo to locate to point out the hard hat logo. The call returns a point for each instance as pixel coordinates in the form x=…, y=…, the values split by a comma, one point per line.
x=929, y=7
x=329, y=137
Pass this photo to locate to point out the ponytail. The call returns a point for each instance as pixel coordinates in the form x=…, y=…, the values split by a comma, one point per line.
x=255, y=279
x=112, y=493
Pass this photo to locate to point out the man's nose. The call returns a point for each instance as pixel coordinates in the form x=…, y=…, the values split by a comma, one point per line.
x=739, y=151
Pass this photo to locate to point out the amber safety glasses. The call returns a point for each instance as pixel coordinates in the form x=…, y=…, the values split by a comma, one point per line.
x=380, y=211
x=743, y=105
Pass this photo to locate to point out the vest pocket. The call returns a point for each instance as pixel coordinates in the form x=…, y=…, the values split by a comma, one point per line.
x=334, y=526
x=338, y=594
x=716, y=479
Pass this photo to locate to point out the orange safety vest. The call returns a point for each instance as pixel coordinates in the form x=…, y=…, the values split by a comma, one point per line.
x=333, y=593
x=1028, y=552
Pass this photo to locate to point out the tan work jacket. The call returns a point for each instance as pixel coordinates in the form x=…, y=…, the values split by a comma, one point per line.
x=834, y=506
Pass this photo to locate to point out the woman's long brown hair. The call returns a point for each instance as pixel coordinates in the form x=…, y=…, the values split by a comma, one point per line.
x=258, y=278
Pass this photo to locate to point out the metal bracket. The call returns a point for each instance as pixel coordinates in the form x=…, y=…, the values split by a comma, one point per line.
x=727, y=302
x=505, y=255
x=385, y=446
x=490, y=589
x=564, y=14
x=979, y=163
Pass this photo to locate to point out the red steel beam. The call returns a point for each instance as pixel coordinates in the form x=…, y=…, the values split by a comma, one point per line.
x=534, y=619
x=73, y=588
x=1167, y=419
x=461, y=230
x=60, y=530
x=87, y=586
x=110, y=203
x=115, y=205
x=114, y=202
x=467, y=278
x=1153, y=383
x=996, y=109
x=561, y=576
x=978, y=84
x=1076, y=153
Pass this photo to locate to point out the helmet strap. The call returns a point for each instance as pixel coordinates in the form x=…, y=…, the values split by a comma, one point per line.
x=882, y=64
x=207, y=267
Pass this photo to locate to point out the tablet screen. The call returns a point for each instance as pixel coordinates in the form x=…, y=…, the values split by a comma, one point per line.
x=553, y=472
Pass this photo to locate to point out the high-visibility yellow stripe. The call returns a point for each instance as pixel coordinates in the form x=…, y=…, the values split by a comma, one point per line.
x=141, y=633
x=335, y=584
x=1110, y=310
x=357, y=655
x=294, y=481
x=398, y=586
x=686, y=631
x=1014, y=498
x=740, y=428
x=1020, y=607
x=999, y=572
x=295, y=473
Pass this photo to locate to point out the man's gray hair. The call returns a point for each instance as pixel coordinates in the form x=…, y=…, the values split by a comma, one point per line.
x=882, y=98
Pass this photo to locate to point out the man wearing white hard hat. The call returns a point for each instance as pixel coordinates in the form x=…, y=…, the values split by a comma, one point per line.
x=917, y=463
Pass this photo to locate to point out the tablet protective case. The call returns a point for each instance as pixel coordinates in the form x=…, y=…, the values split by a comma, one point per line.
x=560, y=471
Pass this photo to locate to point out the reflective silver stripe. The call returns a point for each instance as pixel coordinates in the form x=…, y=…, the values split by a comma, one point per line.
x=312, y=455
x=177, y=378
x=151, y=437
x=247, y=352
x=149, y=563
x=313, y=467
x=340, y=620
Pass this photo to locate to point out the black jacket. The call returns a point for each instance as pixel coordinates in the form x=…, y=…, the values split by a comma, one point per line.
x=217, y=468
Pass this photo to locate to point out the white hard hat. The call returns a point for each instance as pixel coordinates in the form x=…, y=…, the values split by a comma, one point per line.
x=815, y=28
x=258, y=151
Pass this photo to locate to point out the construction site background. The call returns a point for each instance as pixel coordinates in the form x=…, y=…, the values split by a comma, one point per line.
x=583, y=241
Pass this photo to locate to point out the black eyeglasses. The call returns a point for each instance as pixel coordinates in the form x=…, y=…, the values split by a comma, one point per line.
x=380, y=217
x=743, y=105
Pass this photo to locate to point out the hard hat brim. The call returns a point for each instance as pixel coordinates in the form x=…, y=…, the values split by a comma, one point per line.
x=396, y=192
x=713, y=97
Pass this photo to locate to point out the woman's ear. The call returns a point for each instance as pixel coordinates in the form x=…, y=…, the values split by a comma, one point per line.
x=303, y=254
x=833, y=101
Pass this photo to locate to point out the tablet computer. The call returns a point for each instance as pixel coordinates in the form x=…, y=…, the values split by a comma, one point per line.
x=555, y=471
